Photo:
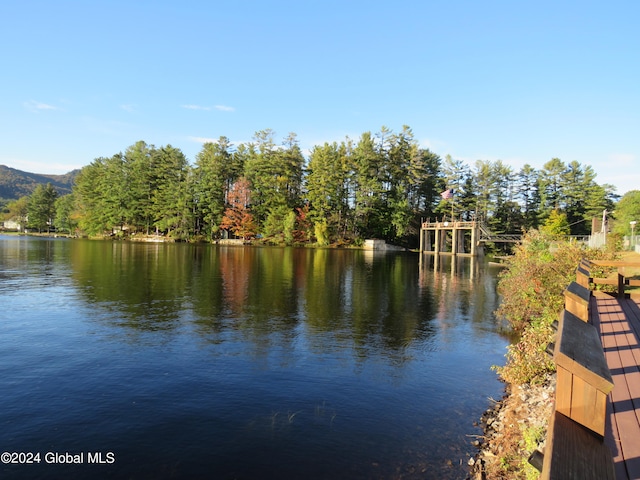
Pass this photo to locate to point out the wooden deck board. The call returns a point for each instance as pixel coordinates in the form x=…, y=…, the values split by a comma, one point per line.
x=619, y=324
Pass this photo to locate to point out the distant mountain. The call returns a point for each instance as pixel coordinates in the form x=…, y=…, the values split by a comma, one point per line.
x=16, y=183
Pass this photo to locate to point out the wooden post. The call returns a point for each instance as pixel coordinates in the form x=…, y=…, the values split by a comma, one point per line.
x=576, y=300
x=437, y=241
x=462, y=249
x=582, y=276
x=473, y=239
x=620, y=285
x=454, y=240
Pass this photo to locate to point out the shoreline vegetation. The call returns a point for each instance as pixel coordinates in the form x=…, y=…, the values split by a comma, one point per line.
x=531, y=287
x=381, y=185
x=142, y=238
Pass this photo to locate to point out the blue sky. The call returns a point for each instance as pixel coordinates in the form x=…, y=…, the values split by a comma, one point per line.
x=518, y=81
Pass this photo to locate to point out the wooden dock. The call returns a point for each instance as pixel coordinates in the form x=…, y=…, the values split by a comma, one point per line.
x=458, y=237
x=618, y=320
x=594, y=432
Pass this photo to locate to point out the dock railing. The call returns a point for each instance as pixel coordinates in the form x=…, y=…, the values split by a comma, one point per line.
x=623, y=281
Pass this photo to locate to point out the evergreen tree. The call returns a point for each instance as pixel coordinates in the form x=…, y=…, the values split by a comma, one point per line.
x=575, y=185
x=266, y=176
x=550, y=180
x=326, y=189
x=504, y=217
x=115, y=192
x=285, y=167
x=292, y=163
x=65, y=219
x=140, y=183
x=454, y=174
x=484, y=182
x=528, y=195
x=171, y=205
x=88, y=199
x=217, y=167
x=599, y=198
x=369, y=207
x=41, y=207
x=400, y=182
x=424, y=168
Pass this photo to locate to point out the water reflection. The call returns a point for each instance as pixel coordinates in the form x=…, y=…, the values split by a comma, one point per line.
x=364, y=299
x=297, y=362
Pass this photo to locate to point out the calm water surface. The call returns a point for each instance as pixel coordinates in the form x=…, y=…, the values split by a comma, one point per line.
x=181, y=361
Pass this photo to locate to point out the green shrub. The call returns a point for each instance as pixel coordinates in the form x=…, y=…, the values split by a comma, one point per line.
x=531, y=437
x=532, y=289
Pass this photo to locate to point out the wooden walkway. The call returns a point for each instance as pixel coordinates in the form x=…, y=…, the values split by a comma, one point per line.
x=618, y=321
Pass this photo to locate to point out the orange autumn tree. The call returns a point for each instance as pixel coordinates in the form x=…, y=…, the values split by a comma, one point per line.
x=237, y=216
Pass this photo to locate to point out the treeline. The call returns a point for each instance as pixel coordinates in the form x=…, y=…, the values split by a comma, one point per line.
x=379, y=186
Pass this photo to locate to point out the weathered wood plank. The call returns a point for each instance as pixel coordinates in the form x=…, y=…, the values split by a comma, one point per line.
x=622, y=403
x=564, y=386
x=587, y=264
x=612, y=440
x=579, y=350
x=575, y=453
x=583, y=277
x=605, y=281
x=579, y=291
x=614, y=263
x=619, y=328
x=576, y=300
x=600, y=302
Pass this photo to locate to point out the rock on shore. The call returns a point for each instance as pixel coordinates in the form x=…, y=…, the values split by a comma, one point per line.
x=513, y=428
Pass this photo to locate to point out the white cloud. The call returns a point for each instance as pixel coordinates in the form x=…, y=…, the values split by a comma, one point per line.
x=205, y=108
x=196, y=107
x=128, y=108
x=36, y=106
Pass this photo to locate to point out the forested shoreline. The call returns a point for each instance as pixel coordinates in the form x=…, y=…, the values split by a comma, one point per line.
x=379, y=186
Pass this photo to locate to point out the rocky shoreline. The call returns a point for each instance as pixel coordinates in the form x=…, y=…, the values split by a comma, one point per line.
x=512, y=429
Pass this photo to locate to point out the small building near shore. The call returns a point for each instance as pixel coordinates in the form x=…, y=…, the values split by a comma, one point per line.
x=11, y=225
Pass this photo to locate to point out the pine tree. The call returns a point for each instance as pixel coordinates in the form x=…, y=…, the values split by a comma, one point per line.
x=326, y=189
x=41, y=207
x=217, y=167
x=65, y=219
x=171, y=207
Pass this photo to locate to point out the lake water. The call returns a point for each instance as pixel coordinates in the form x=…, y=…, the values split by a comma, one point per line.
x=149, y=361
